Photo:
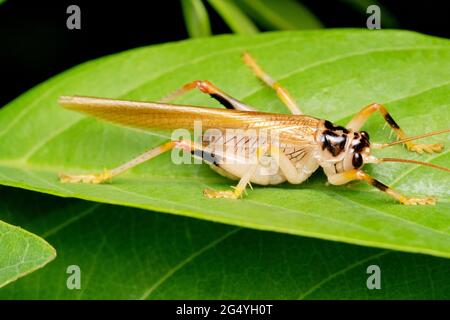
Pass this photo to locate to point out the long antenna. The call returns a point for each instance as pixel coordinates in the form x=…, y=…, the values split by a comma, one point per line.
x=413, y=161
x=384, y=145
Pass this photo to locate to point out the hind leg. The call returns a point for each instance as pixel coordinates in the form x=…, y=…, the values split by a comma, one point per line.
x=282, y=93
x=107, y=175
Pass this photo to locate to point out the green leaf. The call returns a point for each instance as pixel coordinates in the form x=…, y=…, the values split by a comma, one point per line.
x=126, y=253
x=196, y=18
x=21, y=253
x=280, y=15
x=233, y=17
x=332, y=74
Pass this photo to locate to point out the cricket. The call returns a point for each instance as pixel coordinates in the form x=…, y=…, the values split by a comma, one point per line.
x=303, y=143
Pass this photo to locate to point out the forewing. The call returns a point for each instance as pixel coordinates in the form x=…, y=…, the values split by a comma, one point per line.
x=153, y=115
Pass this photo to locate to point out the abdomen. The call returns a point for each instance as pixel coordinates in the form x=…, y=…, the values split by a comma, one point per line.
x=235, y=156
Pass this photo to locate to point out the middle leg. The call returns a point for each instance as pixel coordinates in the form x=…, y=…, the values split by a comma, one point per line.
x=239, y=189
x=207, y=87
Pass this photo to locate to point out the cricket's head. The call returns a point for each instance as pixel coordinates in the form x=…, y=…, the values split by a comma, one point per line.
x=341, y=149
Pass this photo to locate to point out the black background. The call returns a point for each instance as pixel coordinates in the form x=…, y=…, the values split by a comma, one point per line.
x=35, y=43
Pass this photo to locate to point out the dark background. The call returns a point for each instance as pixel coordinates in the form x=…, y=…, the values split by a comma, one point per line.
x=35, y=43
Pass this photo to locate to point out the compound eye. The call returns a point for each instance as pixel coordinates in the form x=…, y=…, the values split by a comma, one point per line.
x=365, y=134
x=357, y=161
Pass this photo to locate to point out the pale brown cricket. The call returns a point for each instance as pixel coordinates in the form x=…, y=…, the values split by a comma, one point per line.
x=304, y=142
